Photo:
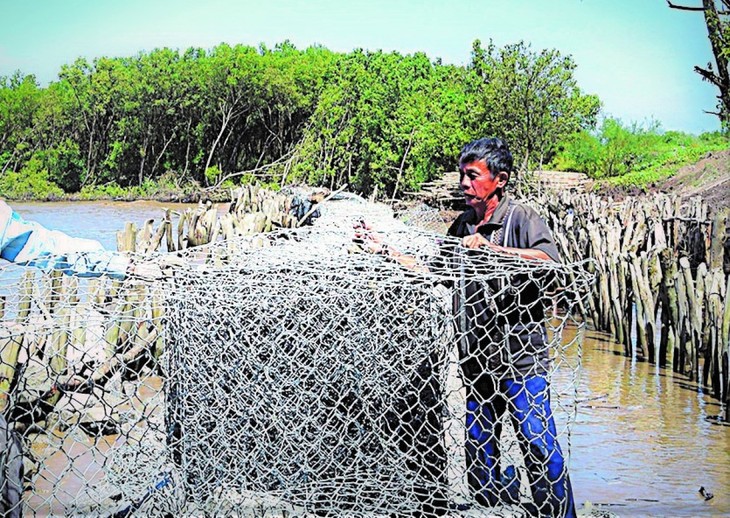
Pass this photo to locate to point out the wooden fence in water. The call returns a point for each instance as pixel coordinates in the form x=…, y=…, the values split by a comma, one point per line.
x=48, y=319
x=252, y=210
x=79, y=357
x=662, y=287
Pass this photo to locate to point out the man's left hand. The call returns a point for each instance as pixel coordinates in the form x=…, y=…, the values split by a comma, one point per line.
x=475, y=241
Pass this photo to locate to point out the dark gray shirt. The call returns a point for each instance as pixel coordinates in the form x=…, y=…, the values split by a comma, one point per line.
x=504, y=328
x=526, y=228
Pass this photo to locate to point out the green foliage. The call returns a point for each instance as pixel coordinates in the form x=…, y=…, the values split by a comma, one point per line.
x=30, y=183
x=387, y=122
x=581, y=152
x=162, y=189
x=65, y=163
x=633, y=156
x=20, y=100
x=115, y=127
x=107, y=191
x=531, y=99
x=212, y=174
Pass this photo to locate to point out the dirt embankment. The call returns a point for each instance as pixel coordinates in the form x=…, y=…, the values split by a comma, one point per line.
x=709, y=178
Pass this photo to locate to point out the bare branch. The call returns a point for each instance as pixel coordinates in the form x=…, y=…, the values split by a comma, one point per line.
x=709, y=76
x=726, y=3
x=684, y=7
x=254, y=171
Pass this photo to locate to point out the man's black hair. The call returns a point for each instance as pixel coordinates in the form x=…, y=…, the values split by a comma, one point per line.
x=493, y=151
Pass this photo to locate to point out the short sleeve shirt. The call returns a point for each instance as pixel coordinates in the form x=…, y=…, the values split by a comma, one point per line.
x=526, y=229
x=523, y=350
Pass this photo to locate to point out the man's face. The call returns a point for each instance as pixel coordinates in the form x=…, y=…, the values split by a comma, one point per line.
x=478, y=185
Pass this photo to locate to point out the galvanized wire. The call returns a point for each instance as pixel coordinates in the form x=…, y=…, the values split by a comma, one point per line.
x=286, y=374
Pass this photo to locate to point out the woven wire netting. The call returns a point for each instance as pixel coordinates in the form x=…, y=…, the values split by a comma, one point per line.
x=80, y=391
x=293, y=374
x=423, y=217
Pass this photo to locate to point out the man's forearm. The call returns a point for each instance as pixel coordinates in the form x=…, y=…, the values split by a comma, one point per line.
x=533, y=254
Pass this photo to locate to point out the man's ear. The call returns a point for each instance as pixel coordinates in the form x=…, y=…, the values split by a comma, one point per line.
x=502, y=179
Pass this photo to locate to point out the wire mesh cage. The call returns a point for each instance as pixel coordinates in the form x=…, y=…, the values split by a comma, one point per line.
x=80, y=385
x=292, y=374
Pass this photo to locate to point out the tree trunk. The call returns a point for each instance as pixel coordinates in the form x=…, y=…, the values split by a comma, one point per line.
x=721, y=78
x=402, y=165
x=717, y=33
x=227, y=115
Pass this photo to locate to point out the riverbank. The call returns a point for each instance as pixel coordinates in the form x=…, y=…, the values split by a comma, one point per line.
x=708, y=177
x=148, y=191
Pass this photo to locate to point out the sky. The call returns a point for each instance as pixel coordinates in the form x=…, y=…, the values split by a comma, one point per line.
x=636, y=55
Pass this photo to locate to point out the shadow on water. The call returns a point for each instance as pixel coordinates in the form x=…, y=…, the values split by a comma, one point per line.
x=646, y=439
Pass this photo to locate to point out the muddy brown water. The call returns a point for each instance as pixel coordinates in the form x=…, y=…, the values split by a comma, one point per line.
x=645, y=439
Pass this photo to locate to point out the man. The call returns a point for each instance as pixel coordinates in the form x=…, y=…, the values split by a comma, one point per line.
x=504, y=356
x=502, y=343
x=30, y=243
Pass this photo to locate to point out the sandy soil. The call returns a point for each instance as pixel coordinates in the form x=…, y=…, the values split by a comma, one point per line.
x=709, y=178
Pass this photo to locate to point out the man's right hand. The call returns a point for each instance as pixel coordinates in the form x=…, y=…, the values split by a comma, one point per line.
x=370, y=240
x=474, y=241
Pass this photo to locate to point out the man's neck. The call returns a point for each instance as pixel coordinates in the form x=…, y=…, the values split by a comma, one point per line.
x=491, y=206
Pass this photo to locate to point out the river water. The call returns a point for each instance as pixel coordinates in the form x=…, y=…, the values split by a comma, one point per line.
x=645, y=439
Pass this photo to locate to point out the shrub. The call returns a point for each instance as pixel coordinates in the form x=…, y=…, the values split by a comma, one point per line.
x=107, y=191
x=30, y=183
x=633, y=156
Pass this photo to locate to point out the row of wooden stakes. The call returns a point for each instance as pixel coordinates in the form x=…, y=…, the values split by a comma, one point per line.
x=252, y=210
x=662, y=288
x=75, y=335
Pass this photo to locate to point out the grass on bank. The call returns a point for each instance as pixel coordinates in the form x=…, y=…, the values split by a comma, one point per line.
x=32, y=183
x=633, y=156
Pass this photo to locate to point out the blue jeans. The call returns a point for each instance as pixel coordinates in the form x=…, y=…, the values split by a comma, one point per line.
x=528, y=402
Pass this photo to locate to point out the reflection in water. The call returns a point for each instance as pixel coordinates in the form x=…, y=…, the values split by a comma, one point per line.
x=645, y=439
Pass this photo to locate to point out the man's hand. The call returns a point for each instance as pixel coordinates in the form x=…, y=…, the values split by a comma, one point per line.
x=370, y=240
x=475, y=241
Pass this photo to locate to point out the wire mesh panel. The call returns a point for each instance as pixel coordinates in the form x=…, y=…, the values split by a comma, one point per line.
x=299, y=385
x=80, y=389
x=309, y=379
x=294, y=374
x=424, y=217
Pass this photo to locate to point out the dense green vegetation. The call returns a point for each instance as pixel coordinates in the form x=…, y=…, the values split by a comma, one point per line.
x=163, y=121
x=633, y=156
